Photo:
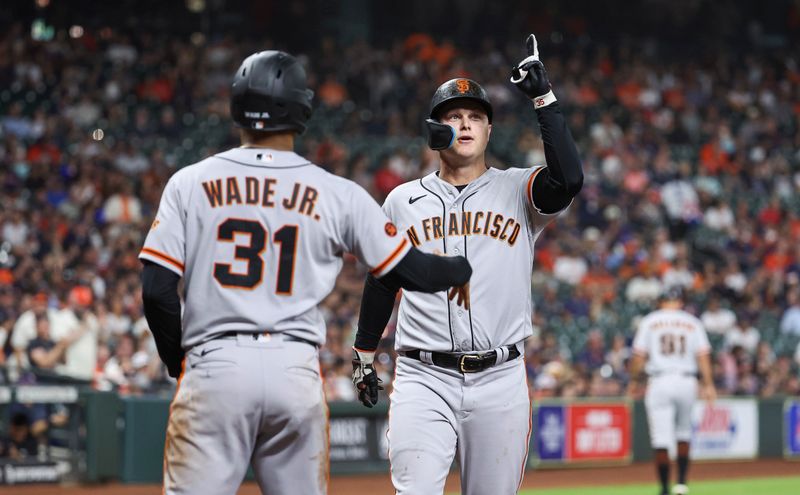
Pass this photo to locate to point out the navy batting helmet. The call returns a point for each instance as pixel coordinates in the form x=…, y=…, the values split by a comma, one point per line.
x=459, y=88
x=673, y=293
x=270, y=93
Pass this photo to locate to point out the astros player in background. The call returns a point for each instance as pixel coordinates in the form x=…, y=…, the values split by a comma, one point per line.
x=460, y=385
x=258, y=233
x=674, y=344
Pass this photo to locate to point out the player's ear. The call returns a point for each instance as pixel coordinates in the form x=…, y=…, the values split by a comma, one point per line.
x=488, y=131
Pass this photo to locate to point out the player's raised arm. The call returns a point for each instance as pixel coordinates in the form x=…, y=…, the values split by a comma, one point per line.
x=554, y=186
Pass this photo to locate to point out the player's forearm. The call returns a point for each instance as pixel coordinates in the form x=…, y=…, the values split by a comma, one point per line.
x=377, y=303
x=704, y=363
x=162, y=309
x=637, y=363
x=424, y=272
x=556, y=185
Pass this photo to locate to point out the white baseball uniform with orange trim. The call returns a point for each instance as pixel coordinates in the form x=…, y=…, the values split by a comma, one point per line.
x=436, y=412
x=258, y=236
x=671, y=340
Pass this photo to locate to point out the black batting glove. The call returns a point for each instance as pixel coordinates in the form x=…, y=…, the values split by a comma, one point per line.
x=530, y=77
x=364, y=377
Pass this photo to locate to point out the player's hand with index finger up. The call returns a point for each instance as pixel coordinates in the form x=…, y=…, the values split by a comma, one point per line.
x=530, y=77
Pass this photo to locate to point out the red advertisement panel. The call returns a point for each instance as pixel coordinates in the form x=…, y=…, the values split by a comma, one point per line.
x=599, y=432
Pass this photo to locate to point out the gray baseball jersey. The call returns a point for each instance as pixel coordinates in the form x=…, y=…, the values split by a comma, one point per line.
x=494, y=224
x=438, y=413
x=671, y=339
x=258, y=236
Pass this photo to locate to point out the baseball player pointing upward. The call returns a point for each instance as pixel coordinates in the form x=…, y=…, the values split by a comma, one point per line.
x=258, y=234
x=674, y=343
x=460, y=383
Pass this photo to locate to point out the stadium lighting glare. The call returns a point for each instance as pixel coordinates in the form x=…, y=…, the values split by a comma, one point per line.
x=98, y=134
x=76, y=32
x=42, y=3
x=196, y=6
x=198, y=39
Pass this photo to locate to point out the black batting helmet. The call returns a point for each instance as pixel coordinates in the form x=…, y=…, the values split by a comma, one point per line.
x=673, y=293
x=460, y=88
x=270, y=93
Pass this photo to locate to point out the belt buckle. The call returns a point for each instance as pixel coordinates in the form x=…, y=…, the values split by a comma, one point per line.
x=469, y=358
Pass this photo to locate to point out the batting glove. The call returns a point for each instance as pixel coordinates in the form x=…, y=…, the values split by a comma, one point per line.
x=531, y=78
x=364, y=377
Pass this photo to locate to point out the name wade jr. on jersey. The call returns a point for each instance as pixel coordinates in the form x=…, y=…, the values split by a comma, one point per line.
x=259, y=191
x=467, y=223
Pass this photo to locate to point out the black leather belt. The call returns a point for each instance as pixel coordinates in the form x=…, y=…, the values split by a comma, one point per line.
x=465, y=363
x=681, y=373
x=284, y=336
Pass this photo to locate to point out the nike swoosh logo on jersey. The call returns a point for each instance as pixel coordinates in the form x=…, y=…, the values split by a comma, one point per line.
x=209, y=351
x=412, y=200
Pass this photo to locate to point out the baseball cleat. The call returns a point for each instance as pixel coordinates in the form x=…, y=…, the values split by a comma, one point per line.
x=680, y=489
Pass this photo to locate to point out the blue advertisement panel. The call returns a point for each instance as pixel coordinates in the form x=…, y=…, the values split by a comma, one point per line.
x=551, y=433
x=792, y=428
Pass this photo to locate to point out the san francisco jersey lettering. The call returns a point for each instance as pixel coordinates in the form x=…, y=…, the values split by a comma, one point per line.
x=269, y=230
x=494, y=224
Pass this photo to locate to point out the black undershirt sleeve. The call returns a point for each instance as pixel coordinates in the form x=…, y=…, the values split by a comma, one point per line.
x=417, y=271
x=162, y=309
x=562, y=179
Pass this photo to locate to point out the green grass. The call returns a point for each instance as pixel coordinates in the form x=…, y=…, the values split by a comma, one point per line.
x=747, y=486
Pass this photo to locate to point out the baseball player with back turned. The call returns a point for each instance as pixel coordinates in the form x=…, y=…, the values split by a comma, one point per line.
x=674, y=343
x=460, y=385
x=258, y=233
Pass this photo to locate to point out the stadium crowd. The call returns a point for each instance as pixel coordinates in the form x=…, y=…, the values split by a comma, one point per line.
x=692, y=178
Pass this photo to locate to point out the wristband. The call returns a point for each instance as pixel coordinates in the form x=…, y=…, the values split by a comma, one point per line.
x=544, y=100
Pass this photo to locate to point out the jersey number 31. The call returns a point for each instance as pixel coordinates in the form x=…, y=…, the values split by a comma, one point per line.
x=286, y=236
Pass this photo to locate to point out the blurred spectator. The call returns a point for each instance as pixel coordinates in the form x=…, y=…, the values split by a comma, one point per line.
x=644, y=286
x=593, y=355
x=123, y=207
x=120, y=368
x=744, y=335
x=790, y=321
x=43, y=352
x=80, y=357
x=27, y=326
x=569, y=267
x=718, y=216
x=618, y=355
x=679, y=274
x=717, y=319
x=20, y=443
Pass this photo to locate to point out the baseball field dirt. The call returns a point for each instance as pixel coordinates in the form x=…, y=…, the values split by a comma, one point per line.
x=545, y=478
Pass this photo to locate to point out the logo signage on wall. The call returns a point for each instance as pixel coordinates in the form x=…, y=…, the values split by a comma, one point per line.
x=550, y=439
x=348, y=439
x=728, y=429
x=20, y=473
x=583, y=432
x=791, y=428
